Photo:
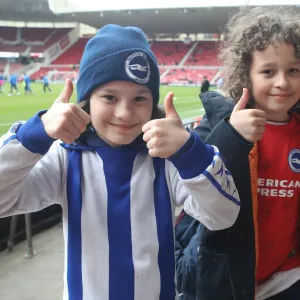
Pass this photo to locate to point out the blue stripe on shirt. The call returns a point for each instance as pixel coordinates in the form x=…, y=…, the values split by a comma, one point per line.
x=165, y=233
x=121, y=267
x=5, y=142
x=74, y=195
x=220, y=189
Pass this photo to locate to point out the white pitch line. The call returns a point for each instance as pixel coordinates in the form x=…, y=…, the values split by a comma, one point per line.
x=6, y=124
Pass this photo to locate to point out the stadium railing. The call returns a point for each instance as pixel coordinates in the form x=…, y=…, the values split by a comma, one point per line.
x=193, y=123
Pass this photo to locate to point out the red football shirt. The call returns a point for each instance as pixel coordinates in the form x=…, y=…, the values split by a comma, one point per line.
x=278, y=198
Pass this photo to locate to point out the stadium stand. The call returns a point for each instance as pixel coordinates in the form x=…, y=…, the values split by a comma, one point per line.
x=36, y=34
x=205, y=54
x=2, y=64
x=45, y=70
x=8, y=33
x=54, y=37
x=188, y=76
x=32, y=36
x=178, y=62
x=73, y=54
x=13, y=48
x=169, y=53
x=33, y=40
x=14, y=67
x=162, y=70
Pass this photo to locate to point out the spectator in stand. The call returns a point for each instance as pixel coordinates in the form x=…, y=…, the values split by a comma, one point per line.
x=205, y=85
x=117, y=183
x=256, y=128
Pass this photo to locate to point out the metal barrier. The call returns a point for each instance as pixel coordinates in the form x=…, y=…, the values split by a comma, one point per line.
x=193, y=123
x=11, y=238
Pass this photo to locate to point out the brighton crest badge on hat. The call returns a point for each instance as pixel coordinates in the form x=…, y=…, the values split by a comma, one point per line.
x=137, y=67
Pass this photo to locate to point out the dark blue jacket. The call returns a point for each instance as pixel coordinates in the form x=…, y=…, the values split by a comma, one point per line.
x=219, y=265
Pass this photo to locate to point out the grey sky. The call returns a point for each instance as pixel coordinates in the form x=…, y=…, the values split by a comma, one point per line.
x=92, y=5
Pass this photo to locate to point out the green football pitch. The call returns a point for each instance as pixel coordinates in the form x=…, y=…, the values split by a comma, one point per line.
x=16, y=108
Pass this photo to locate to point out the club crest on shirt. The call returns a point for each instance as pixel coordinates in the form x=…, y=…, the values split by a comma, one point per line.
x=294, y=160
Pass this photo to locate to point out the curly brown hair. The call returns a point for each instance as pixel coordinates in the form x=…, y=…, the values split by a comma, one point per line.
x=252, y=30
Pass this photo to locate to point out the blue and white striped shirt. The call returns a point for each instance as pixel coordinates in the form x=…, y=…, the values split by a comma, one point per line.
x=118, y=207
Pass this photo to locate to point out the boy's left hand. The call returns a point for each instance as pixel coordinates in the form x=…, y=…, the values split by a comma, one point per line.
x=164, y=137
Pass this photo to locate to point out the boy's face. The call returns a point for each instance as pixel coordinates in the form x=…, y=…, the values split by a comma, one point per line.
x=119, y=110
x=275, y=79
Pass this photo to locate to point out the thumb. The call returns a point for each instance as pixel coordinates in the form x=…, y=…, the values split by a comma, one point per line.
x=169, y=107
x=242, y=102
x=66, y=93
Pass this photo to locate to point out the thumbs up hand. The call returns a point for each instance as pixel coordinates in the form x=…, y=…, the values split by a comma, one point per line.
x=65, y=121
x=165, y=137
x=250, y=123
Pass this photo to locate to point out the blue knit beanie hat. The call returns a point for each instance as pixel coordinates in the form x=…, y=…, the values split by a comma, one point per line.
x=117, y=53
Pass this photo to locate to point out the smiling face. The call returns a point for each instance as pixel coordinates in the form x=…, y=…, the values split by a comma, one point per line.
x=119, y=110
x=275, y=80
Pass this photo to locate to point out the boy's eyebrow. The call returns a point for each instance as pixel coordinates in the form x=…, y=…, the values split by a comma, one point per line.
x=267, y=64
x=272, y=64
x=107, y=90
x=142, y=91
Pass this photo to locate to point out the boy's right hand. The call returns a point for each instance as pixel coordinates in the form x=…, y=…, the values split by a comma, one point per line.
x=65, y=121
x=250, y=123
